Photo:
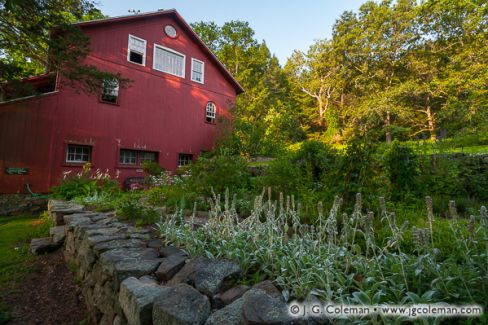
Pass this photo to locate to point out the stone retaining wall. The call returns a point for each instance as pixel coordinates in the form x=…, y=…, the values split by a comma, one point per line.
x=15, y=204
x=127, y=277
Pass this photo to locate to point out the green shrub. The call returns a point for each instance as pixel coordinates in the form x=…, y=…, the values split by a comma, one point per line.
x=220, y=172
x=301, y=171
x=133, y=206
x=282, y=176
x=152, y=168
x=85, y=184
x=401, y=168
x=357, y=171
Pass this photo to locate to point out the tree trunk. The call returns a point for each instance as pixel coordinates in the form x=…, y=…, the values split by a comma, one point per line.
x=431, y=123
x=388, y=123
x=321, y=112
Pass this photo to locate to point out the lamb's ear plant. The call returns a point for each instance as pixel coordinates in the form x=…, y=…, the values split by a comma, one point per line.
x=342, y=257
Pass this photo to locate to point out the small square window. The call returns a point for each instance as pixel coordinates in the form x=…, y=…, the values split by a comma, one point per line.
x=184, y=159
x=128, y=157
x=110, y=91
x=78, y=154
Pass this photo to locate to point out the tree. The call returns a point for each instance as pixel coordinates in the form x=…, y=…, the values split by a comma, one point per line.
x=314, y=74
x=263, y=115
x=37, y=36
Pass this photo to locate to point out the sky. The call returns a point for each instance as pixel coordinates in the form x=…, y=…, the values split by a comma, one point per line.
x=285, y=25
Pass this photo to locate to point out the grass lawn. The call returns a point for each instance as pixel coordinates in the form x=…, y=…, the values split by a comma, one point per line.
x=15, y=234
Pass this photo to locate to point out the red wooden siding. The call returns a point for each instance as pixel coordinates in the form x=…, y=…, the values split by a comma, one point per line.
x=158, y=112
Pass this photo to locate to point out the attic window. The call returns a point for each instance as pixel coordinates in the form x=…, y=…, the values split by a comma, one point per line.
x=197, y=70
x=136, y=50
x=170, y=31
x=169, y=61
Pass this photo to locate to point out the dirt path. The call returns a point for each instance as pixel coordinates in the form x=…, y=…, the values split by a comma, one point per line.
x=47, y=295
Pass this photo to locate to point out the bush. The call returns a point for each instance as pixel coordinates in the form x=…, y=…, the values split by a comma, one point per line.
x=151, y=168
x=220, y=172
x=133, y=206
x=402, y=170
x=357, y=171
x=298, y=171
x=85, y=184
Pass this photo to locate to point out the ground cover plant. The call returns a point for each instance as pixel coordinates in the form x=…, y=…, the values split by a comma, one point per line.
x=391, y=245
x=355, y=258
x=15, y=233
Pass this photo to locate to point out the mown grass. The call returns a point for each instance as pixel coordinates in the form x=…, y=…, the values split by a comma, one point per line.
x=15, y=234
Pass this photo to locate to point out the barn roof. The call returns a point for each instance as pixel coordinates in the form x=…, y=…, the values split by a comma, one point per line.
x=184, y=24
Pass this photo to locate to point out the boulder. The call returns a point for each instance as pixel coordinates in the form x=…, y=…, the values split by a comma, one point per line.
x=73, y=220
x=58, y=234
x=155, y=243
x=42, y=245
x=58, y=209
x=210, y=279
x=166, y=251
x=190, y=268
x=260, y=308
x=169, y=266
x=149, y=279
x=207, y=275
x=119, y=243
x=268, y=287
x=181, y=305
x=229, y=315
x=129, y=262
x=136, y=300
x=227, y=297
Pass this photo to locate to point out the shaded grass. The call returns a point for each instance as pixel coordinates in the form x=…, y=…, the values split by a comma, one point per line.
x=15, y=234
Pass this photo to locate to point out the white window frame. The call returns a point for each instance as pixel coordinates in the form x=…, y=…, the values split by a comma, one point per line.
x=214, y=112
x=122, y=160
x=78, y=161
x=143, y=54
x=193, y=60
x=187, y=155
x=156, y=46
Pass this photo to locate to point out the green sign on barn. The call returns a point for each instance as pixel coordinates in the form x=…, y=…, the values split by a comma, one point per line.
x=16, y=171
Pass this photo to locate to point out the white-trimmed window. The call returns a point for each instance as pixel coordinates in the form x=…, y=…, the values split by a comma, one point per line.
x=136, y=50
x=78, y=154
x=197, y=70
x=136, y=157
x=110, y=91
x=148, y=156
x=169, y=61
x=210, y=112
x=128, y=157
x=184, y=159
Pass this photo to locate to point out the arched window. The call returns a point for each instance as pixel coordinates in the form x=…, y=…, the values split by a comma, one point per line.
x=210, y=112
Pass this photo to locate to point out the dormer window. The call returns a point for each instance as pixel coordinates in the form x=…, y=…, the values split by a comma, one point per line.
x=136, y=50
x=197, y=70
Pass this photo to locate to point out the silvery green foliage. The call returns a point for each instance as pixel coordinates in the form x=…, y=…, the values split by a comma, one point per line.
x=339, y=258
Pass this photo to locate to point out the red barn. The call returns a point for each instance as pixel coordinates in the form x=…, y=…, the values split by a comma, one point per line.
x=167, y=114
